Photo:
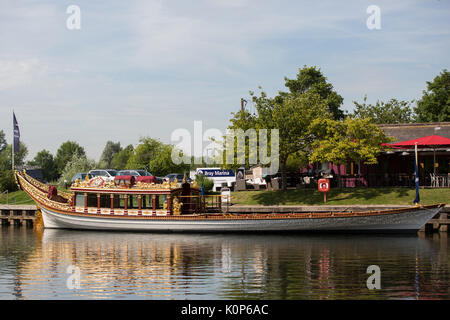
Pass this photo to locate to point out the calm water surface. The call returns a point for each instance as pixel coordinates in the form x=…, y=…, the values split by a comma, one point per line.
x=35, y=265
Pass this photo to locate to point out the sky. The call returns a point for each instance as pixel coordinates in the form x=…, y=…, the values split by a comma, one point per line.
x=146, y=68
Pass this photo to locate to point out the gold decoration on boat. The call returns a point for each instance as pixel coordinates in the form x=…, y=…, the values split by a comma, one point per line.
x=139, y=185
x=31, y=186
x=177, y=206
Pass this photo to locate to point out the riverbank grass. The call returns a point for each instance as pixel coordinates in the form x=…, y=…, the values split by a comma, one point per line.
x=16, y=197
x=347, y=196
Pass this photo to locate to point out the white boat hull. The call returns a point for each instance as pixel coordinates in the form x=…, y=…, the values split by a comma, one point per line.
x=409, y=221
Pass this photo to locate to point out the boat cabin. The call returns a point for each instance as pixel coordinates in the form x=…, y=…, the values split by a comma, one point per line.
x=126, y=196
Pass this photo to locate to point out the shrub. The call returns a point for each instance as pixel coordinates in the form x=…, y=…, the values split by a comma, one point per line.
x=78, y=164
x=202, y=180
x=7, y=181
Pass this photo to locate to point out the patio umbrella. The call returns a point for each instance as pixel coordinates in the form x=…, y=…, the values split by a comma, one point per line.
x=433, y=142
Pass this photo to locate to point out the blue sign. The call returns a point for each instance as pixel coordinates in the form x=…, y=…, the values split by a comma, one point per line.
x=215, y=173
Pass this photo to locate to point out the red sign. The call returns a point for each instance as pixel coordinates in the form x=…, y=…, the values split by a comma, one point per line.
x=324, y=185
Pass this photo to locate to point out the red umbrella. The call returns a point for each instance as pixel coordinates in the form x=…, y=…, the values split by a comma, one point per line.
x=433, y=142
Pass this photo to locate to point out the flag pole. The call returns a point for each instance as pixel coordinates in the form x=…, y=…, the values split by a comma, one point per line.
x=13, y=144
x=416, y=176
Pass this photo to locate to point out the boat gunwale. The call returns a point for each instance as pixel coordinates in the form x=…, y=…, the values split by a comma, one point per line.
x=228, y=216
x=252, y=216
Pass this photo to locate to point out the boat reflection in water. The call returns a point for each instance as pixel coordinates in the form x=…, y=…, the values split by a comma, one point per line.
x=206, y=266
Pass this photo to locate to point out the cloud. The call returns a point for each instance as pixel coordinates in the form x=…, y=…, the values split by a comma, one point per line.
x=146, y=67
x=15, y=73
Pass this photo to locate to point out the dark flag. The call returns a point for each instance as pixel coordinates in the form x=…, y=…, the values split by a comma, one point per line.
x=416, y=176
x=16, y=134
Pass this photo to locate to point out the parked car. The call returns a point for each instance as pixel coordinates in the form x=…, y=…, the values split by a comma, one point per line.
x=135, y=173
x=179, y=176
x=80, y=176
x=108, y=174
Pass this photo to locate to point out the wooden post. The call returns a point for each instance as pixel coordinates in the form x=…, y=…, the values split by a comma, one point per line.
x=112, y=203
x=125, y=201
x=443, y=227
x=154, y=203
x=139, y=205
x=98, y=202
x=169, y=207
x=85, y=203
x=73, y=203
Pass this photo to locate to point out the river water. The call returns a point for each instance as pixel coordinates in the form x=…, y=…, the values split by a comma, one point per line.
x=64, y=264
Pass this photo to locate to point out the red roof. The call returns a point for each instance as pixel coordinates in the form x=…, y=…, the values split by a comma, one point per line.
x=424, y=142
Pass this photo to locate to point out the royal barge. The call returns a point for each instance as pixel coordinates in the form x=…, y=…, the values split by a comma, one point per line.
x=127, y=204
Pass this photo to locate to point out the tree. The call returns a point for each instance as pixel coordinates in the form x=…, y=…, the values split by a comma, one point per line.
x=19, y=157
x=2, y=141
x=241, y=120
x=310, y=97
x=65, y=153
x=435, y=103
x=292, y=118
x=143, y=153
x=393, y=111
x=311, y=79
x=119, y=161
x=351, y=139
x=78, y=163
x=44, y=160
x=7, y=181
x=161, y=163
x=110, y=150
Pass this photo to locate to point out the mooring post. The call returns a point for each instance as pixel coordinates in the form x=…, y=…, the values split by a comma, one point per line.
x=443, y=226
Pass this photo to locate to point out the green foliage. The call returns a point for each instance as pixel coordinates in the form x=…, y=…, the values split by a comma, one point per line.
x=242, y=120
x=65, y=154
x=296, y=161
x=155, y=156
x=16, y=197
x=2, y=141
x=390, y=112
x=310, y=98
x=351, y=139
x=7, y=181
x=292, y=118
x=119, y=161
x=77, y=164
x=19, y=157
x=205, y=182
x=147, y=149
x=44, y=160
x=435, y=103
x=110, y=150
x=161, y=164
x=311, y=79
